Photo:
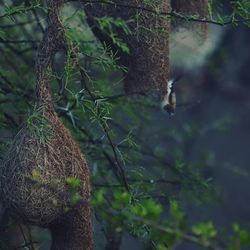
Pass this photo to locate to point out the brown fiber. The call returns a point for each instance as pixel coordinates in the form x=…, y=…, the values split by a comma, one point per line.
x=33, y=178
x=148, y=60
x=191, y=8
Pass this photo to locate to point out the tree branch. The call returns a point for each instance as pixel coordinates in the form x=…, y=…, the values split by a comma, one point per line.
x=117, y=164
x=170, y=14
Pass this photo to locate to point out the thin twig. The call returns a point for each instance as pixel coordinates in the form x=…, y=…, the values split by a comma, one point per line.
x=187, y=237
x=38, y=21
x=26, y=245
x=23, y=234
x=19, y=41
x=20, y=11
x=104, y=127
x=162, y=13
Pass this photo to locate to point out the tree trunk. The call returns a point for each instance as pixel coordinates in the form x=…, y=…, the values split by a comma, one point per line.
x=74, y=231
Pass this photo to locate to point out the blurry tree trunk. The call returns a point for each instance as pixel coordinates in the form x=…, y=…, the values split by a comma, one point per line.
x=114, y=239
x=72, y=231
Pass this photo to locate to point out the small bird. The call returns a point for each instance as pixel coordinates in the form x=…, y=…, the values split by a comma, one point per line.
x=169, y=101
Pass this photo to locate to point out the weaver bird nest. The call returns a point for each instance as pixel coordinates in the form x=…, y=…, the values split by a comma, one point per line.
x=188, y=9
x=148, y=40
x=34, y=176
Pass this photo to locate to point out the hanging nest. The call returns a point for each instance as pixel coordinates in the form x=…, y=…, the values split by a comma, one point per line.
x=45, y=179
x=148, y=43
x=34, y=177
x=191, y=8
x=34, y=184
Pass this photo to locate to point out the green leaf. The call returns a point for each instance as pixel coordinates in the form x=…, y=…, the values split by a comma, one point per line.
x=75, y=199
x=175, y=210
x=205, y=229
x=74, y=183
x=98, y=197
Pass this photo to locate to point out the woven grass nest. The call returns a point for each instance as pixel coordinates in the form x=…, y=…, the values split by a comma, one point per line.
x=148, y=59
x=34, y=176
x=194, y=8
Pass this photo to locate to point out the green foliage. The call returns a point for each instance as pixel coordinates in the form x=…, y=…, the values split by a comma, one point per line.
x=18, y=9
x=204, y=230
x=148, y=209
x=175, y=211
x=2, y=34
x=242, y=9
x=74, y=185
x=240, y=239
x=38, y=124
x=109, y=25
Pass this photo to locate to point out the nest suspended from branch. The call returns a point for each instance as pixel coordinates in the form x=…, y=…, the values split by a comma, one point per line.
x=148, y=42
x=191, y=8
x=33, y=178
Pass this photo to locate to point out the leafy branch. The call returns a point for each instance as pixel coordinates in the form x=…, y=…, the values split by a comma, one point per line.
x=173, y=14
x=20, y=9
